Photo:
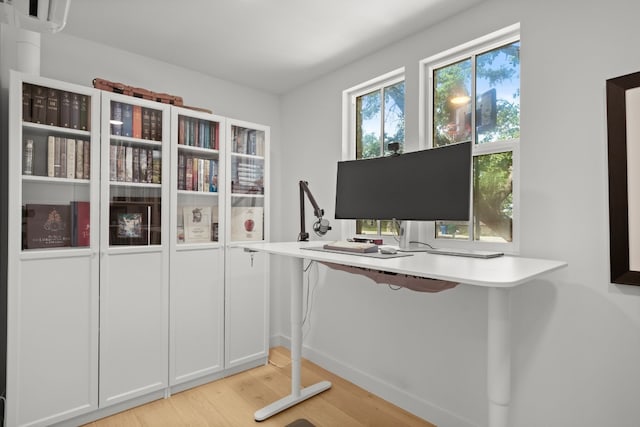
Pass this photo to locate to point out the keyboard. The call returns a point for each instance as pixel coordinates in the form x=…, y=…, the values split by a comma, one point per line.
x=346, y=246
x=472, y=253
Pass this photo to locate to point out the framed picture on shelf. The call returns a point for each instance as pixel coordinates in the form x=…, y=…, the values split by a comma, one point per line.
x=47, y=226
x=129, y=224
x=197, y=224
x=246, y=223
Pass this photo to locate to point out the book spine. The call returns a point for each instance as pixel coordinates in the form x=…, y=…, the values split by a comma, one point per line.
x=146, y=123
x=27, y=102
x=116, y=118
x=181, y=130
x=188, y=175
x=86, y=172
x=40, y=155
x=143, y=165
x=153, y=125
x=129, y=164
x=127, y=120
x=57, y=157
x=84, y=112
x=28, y=157
x=52, y=107
x=65, y=109
x=120, y=161
x=201, y=172
x=136, y=164
x=75, y=111
x=157, y=167
x=113, y=162
x=62, y=172
x=51, y=156
x=71, y=158
x=39, y=111
x=79, y=159
x=196, y=174
x=181, y=167
x=137, y=122
x=150, y=165
x=74, y=223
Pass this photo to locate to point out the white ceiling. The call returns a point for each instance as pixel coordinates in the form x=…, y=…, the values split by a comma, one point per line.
x=272, y=45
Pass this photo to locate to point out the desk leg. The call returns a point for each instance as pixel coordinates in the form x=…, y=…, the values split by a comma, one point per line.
x=499, y=358
x=298, y=394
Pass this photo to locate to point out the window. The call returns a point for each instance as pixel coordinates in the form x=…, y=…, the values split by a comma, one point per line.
x=473, y=94
x=376, y=119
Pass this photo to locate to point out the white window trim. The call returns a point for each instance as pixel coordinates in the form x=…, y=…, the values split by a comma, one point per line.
x=348, y=227
x=425, y=136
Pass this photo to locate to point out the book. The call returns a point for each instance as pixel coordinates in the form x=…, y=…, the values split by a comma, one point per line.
x=113, y=162
x=188, y=174
x=51, y=156
x=246, y=223
x=128, y=164
x=74, y=122
x=116, y=118
x=136, y=164
x=127, y=120
x=129, y=223
x=146, y=123
x=86, y=172
x=197, y=224
x=84, y=112
x=27, y=157
x=79, y=159
x=52, y=107
x=39, y=105
x=153, y=125
x=181, y=171
x=149, y=165
x=47, y=226
x=62, y=170
x=143, y=165
x=40, y=155
x=80, y=223
x=27, y=91
x=120, y=163
x=71, y=158
x=65, y=109
x=137, y=122
x=156, y=167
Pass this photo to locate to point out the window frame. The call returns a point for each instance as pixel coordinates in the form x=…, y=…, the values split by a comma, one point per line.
x=425, y=136
x=349, y=96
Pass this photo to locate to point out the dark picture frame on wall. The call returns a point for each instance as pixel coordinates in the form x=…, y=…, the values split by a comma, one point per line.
x=624, y=259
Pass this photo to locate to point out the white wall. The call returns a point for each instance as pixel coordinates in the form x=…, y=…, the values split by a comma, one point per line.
x=576, y=337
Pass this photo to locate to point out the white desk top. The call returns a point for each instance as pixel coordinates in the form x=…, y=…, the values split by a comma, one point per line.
x=502, y=272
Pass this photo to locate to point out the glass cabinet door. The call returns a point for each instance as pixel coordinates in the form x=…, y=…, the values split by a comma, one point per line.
x=197, y=184
x=135, y=175
x=247, y=183
x=56, y=168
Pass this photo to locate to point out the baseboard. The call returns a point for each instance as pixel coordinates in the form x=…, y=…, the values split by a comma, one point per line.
x=407, y=401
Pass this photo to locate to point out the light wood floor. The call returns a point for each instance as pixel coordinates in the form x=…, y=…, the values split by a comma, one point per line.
x=231, y=402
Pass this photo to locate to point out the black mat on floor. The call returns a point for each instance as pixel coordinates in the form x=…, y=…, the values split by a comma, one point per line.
x=300, y=423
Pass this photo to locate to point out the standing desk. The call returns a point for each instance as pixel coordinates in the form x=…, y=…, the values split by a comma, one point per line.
x=499, y=275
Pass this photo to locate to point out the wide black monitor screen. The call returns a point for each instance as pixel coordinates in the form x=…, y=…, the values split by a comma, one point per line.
x=432, y=184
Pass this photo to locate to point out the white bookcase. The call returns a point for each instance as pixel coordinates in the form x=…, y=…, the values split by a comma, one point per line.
x=52, y=322
x=134, y=248
x=125, y=284
x=246, y=273
x=197, y=247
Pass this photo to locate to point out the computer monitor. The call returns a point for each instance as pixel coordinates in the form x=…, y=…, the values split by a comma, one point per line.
x=426, y=185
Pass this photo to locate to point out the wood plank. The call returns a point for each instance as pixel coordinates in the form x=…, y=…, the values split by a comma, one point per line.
x=232, y=401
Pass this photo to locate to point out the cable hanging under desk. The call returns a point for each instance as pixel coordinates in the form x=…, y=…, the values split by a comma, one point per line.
x=415, y=283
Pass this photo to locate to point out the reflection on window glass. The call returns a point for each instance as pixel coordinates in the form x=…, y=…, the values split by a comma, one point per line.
x=498, y=94
x=452, y=103
x=393, y=116
x=368, y=116
x=493, y=197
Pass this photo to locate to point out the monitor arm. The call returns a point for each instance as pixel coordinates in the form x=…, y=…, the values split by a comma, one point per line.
x=321, y=226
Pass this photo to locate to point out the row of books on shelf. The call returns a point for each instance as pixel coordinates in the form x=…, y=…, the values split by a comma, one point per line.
x=57, y=157
x=247, y=176
x=247, y=141
x=135, y=121
x=55, y=107
x=135, y=164
x=56, y=225
x=197, y=174
x=198, y=133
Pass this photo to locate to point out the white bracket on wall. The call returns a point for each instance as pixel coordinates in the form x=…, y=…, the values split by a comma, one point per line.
x=38, y=16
